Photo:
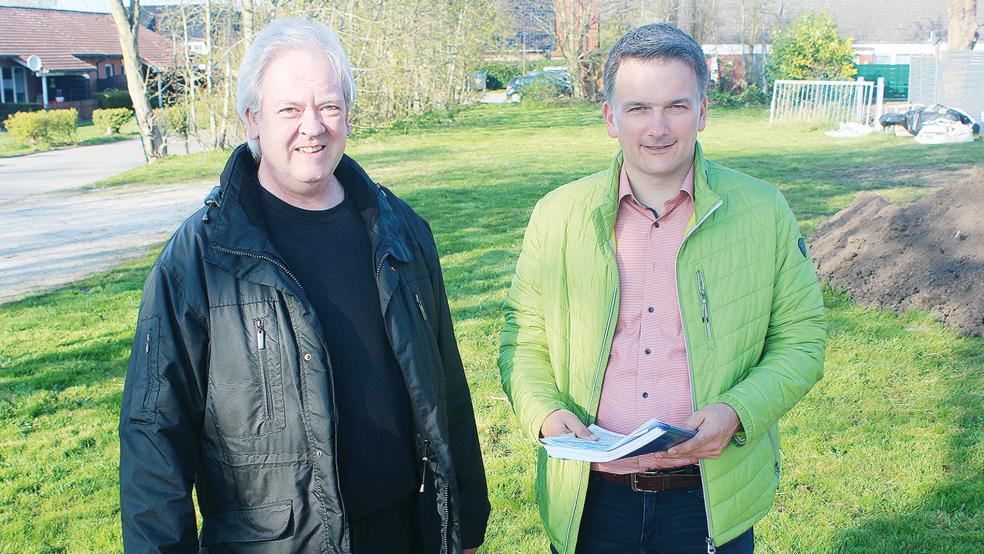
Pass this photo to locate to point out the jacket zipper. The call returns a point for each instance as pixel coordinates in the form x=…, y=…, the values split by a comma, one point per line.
x=420, y=305
x=704, y=314
x=594, y=385
x=147, y=362
x=270, y=259
x=711, y=547
x=426, y=458
x=260, y=347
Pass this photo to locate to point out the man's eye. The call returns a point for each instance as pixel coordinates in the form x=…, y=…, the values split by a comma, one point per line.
x=330, y=107
x=287, y=110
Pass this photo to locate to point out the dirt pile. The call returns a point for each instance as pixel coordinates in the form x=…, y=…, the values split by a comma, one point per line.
x=928, y=255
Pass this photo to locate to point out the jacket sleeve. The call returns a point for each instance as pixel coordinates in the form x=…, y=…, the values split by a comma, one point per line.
x=474, y=506
x=524, y=359
x=793, y=354
x=160, y=420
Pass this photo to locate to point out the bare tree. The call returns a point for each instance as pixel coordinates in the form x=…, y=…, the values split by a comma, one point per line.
x=127, y=26
x=961, y=31
x=577, y=35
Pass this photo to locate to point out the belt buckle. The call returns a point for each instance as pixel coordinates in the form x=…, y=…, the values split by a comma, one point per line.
x=634, y=484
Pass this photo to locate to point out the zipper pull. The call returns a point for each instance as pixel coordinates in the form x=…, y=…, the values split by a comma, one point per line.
x=260, y=334
x=423, y=474
x=420, y=305
x=147, y=345
x=705, y=315
x=711, y=548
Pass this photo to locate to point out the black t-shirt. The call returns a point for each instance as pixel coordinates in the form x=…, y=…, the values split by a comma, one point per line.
x=329, y=252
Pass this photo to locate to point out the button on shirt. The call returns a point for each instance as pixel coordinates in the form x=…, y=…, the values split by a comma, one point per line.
x=648, y=374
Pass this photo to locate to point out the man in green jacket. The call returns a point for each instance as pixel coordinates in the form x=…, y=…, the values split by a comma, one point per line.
x=665, y=287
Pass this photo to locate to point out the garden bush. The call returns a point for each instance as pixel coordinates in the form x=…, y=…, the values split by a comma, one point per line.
x=111, y=119
x=751, y=97
x=543, y=90
x=10, y=108
x=113, y=98
x=43, y=128
x=501, y=72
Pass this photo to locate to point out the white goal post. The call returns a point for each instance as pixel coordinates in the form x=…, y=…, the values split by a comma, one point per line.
x=837, y=101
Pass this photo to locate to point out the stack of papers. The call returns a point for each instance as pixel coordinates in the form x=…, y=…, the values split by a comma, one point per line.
x=652, y=436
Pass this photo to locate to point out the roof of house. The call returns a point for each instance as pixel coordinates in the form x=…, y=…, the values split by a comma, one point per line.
x=60, y=38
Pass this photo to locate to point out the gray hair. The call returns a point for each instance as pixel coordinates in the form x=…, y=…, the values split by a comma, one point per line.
x=656, y=41
x=282, y=36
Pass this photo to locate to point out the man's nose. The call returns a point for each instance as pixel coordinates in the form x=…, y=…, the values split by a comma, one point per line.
x=312, y=122
x=658, y=124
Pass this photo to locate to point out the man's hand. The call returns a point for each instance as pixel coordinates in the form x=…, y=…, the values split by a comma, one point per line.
x=715, y=425
x=562, y=422
x=470, y=550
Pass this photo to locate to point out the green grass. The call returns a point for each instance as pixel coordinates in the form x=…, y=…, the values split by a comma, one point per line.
x=86, y=135
x=885, y=454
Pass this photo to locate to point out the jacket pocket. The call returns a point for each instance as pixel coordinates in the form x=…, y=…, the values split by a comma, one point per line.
x=258, y=524
x=246, y=377
x=775, y=449
x=145, y=373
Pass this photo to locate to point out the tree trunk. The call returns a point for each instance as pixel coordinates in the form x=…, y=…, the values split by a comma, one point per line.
x=127, y=25
x=961, y=31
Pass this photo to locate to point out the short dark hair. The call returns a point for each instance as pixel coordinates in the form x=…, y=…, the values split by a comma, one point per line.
x=656, y=41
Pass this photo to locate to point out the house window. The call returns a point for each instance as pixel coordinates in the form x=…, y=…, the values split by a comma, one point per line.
x=109, y=71
x=883, y=59
x=14, y=84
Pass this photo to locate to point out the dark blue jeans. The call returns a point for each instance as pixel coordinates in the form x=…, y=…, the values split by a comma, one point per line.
x=619, y=520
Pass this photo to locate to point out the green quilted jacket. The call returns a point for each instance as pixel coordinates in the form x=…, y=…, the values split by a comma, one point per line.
x=759, y=348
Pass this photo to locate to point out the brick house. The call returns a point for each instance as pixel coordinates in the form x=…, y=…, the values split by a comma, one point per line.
x=80, y=53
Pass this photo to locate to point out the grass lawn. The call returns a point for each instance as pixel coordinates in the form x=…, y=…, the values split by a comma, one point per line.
x=86, y=135
x=885, y=454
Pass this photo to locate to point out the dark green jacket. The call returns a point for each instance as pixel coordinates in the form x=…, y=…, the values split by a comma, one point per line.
x=253, y=429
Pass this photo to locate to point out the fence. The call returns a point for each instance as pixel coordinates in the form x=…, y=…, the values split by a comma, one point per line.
x=837, y=101
x=954, y=79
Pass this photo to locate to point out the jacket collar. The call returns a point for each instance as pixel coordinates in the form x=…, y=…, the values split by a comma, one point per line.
x=239, y=241
x=705, y=199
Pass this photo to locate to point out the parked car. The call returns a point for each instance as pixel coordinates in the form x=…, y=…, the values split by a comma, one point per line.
x=556, y=74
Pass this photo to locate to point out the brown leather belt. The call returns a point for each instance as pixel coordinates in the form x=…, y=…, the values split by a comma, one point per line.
x=656, y=481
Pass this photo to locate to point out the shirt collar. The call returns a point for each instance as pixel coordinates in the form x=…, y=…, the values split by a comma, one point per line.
x=625, y=189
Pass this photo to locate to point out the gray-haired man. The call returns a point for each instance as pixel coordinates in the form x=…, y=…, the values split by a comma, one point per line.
x=294, y=360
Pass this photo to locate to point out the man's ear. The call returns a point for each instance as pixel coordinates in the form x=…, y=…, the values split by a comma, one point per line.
x=609, y=112
x=252, y=125
x=702, y=120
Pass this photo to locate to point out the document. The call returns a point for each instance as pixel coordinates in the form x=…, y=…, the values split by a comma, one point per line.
x=652, y=436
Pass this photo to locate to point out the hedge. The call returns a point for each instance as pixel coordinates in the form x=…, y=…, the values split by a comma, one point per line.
x=45, y=128
x=111, y=119
x=501, y=72
x=6, y=110
x=113, y=98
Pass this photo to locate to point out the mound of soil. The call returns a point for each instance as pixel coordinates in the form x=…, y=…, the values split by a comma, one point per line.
x=928, y=255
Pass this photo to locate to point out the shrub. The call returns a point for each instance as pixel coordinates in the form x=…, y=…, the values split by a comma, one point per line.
x=543, y=90
x=111, y=119
x=8, y=109
x=811, y=48
x=43, y=128
x=113, y=98
x=174, y=119
x=750, y=97
x=501, y=72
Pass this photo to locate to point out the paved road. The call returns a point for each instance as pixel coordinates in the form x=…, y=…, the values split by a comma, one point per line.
x=48, y=240
x=69, y=168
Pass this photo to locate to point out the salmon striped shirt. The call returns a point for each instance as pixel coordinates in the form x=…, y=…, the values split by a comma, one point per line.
x=648, y=374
